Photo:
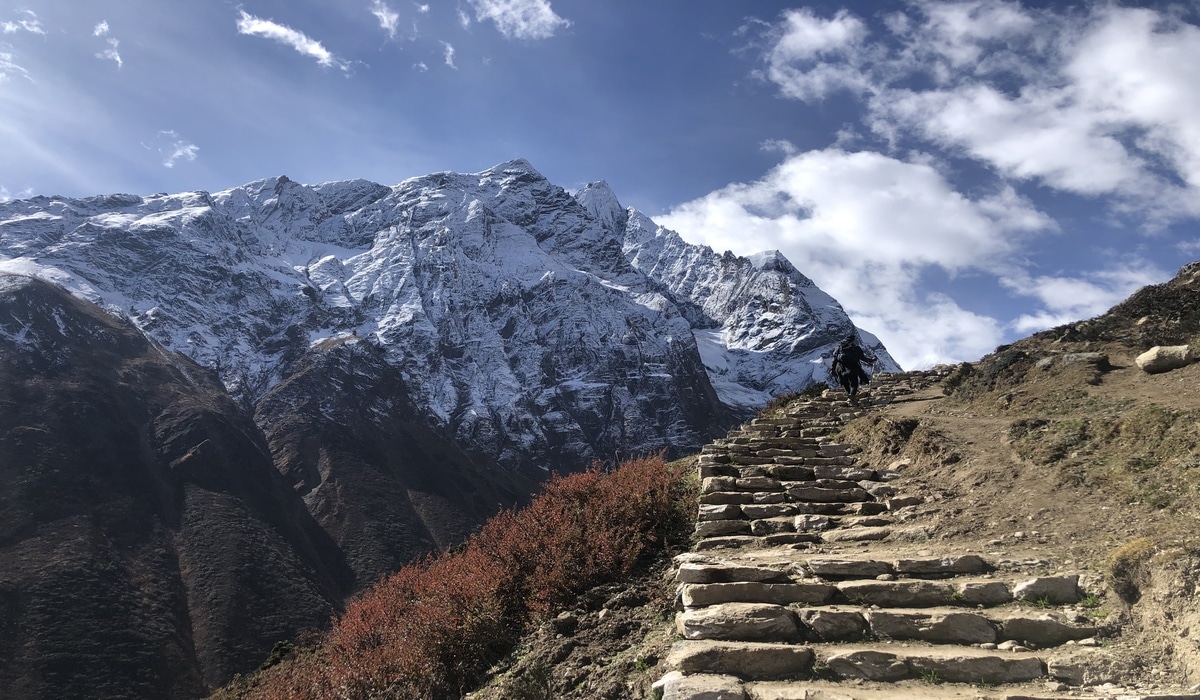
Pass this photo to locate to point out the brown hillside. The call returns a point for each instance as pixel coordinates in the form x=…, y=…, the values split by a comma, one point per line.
x=147, y=546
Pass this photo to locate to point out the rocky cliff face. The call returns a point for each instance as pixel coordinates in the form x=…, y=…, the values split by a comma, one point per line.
x=148, y=548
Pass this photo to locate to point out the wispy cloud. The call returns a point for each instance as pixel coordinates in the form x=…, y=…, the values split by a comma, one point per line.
x=520, y=19
x=10, y=68
x=111, y=53
x=423, y=9
x=388, y=18
x=8, y=196
x=28, y=23
x=173, y=148
x=254, y=26
x=1066, y=299
x=448, y=54
x=420, y=66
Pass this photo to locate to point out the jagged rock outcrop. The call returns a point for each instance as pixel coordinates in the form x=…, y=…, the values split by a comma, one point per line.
x=148, y=548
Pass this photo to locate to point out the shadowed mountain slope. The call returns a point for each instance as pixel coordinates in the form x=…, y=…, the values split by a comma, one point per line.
x=147, y=546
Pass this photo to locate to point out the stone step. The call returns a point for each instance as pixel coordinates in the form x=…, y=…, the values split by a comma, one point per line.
x=883, y=662
x=872, y=662
x=750, y=660
x=867, y=567
x=857, y=534
x=1008, y=630
x=900, y=690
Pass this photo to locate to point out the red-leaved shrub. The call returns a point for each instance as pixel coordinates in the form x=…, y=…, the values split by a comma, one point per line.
x=433, y=628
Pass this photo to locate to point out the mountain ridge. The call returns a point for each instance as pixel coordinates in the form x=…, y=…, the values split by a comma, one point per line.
x=248, y=280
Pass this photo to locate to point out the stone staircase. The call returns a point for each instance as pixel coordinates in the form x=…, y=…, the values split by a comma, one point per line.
x=810, y=580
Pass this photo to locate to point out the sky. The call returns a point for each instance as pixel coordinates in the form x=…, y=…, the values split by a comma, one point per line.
x=957, y=174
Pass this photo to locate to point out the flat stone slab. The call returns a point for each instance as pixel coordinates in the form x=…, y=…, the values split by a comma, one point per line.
x=962, y=564
x=717, y=497
x=748, y=622
x=908, y=593
x=767, y=510
x=758, y=483
x=866, y=521
x=719, y=511
x=830, y=567
x=833, y=625
x=751, y=660
x=791, y=538
x=857, y=534
x=1055, y=590
x=770, y=526
x=820, y=495
x=985, y=593
x=726, y=542
x=701, y=594
x=946, y=664
x=868, y=665
x=695, y=572
x=720, y=528
x=846, y=473
x=936, y=627
x=984, y=670
x=904, y=690
x=704, y=686
x=1044, y=630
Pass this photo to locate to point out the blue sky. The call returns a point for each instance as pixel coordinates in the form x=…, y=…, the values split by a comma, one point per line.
x=957, y=174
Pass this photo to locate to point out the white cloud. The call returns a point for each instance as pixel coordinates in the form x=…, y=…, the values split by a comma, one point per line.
x=799, y=61
x=520, y=19
x=7, y=195
x=175, y=149
x=973, y=37
x=111, y=53
x=30, y=23
x=423, y=9
x=783, y=146
x=1098, y=103
x=254, y=26
x=420, y=66
x=1067, y=299
x=866, y=227
x=388, y=18
x=448, y=54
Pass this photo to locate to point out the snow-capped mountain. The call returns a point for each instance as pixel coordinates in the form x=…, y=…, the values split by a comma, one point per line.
x=535, y=327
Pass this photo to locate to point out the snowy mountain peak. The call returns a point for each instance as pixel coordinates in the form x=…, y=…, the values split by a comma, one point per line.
x=773, y=261
x=536, y=326
x=600, y=201
x=514, y=168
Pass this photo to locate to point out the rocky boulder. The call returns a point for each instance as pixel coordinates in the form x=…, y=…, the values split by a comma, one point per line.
x=1164, y=358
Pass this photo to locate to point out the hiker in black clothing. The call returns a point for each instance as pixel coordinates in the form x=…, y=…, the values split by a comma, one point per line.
x=847, y=365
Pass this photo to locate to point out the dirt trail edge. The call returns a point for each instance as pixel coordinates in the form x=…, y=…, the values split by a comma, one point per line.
x=824, y=570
